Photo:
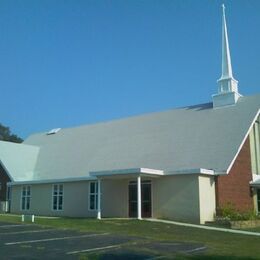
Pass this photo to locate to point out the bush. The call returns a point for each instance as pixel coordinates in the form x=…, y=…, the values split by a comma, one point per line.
x=229, y=212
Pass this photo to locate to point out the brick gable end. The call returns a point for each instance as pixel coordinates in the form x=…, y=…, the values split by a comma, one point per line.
x=234, y=188
x=3, y=179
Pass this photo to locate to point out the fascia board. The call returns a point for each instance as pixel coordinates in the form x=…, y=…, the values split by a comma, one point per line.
x=220, y=173
x=192, y=171
x=243, y=141
x=115, y=172
x=127, y=171
x=13, y=183
x=94, y=176
x=151, y=171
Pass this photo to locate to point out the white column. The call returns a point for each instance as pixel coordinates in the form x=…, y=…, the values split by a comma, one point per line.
x=99, y=200
x=139, y=201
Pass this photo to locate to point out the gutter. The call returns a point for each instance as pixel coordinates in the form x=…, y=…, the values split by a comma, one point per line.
x=75, y=179
x=192, y=171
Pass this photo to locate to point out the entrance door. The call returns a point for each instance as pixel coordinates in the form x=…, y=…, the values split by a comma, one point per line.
x=146, y=199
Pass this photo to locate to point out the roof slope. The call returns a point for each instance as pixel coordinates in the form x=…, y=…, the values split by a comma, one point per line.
x=18, y=159
x=185, y=138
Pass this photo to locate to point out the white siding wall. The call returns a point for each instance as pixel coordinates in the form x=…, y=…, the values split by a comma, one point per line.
x=177, y=198
x=207, y=198
x=188, y=198
x=75, y=199
x=114, y=201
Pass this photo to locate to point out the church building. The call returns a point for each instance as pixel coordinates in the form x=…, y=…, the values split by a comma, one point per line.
x=182, y=164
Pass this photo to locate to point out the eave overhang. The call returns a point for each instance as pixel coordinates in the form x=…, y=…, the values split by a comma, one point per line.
x=48, y=181
x=255, y=182
x=192, y=171
x=127, y=173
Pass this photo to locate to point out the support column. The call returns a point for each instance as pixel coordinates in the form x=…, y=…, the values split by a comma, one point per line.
x=99, y=200
x=139, y=201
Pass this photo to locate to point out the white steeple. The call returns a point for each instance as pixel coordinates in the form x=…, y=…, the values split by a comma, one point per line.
x=227, y=85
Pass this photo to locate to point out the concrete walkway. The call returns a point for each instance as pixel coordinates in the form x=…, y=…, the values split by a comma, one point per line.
x=242, y=232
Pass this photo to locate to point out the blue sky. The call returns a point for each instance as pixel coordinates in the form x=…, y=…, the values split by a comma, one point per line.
x=68, y=63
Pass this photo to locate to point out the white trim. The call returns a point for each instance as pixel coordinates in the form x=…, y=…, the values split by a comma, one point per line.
x=139, y=198
x=134, y=171
x=151, y=171
x=191, y=171
x=52, y=181
x=243, y=141
x=99, y=199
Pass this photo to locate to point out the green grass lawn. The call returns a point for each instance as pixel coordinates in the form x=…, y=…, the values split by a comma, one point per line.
x=256, y=229
x=219, y=244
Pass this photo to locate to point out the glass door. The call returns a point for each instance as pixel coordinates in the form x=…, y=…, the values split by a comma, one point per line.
x=146, y=199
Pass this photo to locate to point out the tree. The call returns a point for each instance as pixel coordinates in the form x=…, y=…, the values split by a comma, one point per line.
x=7, y=135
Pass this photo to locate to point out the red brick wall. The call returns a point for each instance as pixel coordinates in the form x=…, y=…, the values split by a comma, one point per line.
x=234, y=188
x=3, y=179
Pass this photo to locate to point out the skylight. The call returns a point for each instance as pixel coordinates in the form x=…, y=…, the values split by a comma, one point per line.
x=53, y=131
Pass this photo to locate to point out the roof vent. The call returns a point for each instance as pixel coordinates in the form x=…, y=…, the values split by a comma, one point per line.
x=53, y=131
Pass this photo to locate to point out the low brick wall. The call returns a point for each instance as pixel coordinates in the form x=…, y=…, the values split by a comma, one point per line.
x=245, y=224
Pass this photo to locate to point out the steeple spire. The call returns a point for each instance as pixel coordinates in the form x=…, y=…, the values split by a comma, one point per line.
x=226, y=60
x=227, y=85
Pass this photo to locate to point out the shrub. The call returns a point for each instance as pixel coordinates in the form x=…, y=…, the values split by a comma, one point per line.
x=231, y=213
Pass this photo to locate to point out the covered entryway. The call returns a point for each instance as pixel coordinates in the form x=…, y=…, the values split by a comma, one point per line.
x=146, y=199
x=139, y=190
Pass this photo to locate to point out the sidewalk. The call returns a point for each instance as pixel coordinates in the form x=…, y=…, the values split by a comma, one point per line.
x=242, y=232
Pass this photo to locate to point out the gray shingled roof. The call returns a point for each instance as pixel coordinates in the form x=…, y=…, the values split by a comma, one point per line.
x=185, y=138
x=18, y=160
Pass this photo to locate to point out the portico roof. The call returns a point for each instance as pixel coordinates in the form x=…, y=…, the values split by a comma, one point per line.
x=127, y=173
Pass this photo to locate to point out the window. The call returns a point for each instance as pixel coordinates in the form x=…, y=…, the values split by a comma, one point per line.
x=8, y=198
x=93, y=195
x=26, y=197
x=57, y=197
x=8, y=193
